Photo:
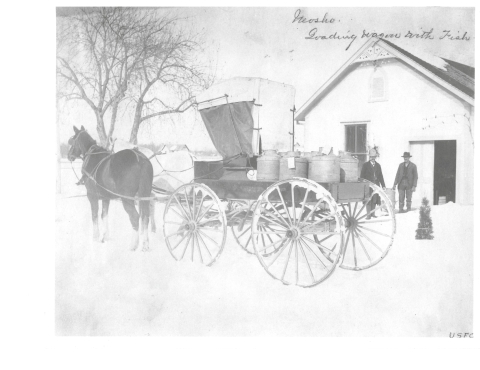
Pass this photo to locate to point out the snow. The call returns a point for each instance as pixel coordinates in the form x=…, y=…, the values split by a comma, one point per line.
x=423, y=288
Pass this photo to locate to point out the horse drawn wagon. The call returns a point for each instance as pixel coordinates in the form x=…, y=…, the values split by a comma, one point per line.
x=299, y=229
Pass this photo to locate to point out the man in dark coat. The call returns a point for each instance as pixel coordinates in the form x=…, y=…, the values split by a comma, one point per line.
x=372, y=171
x=406, y=179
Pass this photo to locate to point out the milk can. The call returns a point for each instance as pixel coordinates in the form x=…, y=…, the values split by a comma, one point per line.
x=268, y=166
x=307, y=155
x=348, y=168
x=299, y=168
x=324, y=168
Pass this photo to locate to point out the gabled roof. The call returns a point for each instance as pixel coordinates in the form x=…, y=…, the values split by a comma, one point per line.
x=458, y=78
x=469, y=71
x=453, y=75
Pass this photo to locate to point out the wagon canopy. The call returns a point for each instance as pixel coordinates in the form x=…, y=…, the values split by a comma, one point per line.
x=239, y=111
x=230, y=127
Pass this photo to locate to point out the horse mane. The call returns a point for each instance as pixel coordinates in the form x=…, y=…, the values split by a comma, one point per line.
x=90, y=141
x=87, y=141
x=95, y=148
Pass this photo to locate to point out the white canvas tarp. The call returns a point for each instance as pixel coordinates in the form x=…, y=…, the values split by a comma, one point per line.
x=272, y=110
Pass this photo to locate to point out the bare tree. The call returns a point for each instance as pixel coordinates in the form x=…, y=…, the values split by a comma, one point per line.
x=105, y=53
x=97, y=53
x=170, y=72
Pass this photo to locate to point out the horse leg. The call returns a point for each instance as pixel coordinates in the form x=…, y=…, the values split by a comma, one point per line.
x=94, y=207
x=105, y=205
x=145, y=190
x=129, y=206
x=153, y=226
x=144, y=218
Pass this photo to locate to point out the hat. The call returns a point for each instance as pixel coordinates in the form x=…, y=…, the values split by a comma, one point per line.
x=372, y=153
x=406, y=154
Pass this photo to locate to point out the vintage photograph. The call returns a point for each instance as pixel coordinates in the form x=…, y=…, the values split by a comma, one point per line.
x=265, y=171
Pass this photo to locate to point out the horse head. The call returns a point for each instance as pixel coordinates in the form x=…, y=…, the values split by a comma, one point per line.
x=79, y=143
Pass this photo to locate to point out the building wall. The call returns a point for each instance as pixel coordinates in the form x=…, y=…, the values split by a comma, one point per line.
x=416, y=109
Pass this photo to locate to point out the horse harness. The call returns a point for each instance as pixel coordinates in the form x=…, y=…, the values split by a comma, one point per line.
x=92, y=176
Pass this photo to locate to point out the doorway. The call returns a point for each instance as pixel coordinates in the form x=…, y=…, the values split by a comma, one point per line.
x=445, y=171
x=423, y=155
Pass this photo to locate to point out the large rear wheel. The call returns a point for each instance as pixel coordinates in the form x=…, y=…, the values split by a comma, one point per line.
x=297, y=232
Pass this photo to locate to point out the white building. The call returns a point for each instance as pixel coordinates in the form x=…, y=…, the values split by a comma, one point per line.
x=386, y=97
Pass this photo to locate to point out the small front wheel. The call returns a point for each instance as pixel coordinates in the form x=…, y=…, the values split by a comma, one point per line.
x=194, y=224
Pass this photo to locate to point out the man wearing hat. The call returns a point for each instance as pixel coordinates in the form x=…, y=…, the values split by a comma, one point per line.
x=372, y=171
x=406, y=179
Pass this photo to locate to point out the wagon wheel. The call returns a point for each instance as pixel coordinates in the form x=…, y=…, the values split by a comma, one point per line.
x=286, y=218
x=194, y=224
x=368, y=239
x=242, y=211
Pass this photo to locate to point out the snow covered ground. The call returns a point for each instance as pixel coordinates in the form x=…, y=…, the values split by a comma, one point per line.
x=422, y=288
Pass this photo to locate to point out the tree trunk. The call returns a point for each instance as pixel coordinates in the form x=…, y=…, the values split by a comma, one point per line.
x=113, y=120
x=137, y=120
x=102, y=136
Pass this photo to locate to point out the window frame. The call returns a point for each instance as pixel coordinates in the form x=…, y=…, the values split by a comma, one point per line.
x=377, y=72
x=356, y=125
x=359, y=155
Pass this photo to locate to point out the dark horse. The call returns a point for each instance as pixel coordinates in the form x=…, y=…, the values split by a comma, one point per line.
x=127, y=175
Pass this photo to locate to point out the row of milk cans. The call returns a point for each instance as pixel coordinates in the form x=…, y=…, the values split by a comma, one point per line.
x=273, y=166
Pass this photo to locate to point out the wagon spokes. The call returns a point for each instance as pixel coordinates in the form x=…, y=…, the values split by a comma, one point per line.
x=195, y=224
x=287, y=217
x=371, y=230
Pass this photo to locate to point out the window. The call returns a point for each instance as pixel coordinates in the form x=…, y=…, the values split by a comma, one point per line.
x=356, y=142
x=378, y=86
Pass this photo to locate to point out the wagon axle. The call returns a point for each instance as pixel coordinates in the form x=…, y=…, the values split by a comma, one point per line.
x=191, y=226
x=293, y=233
x=351, y=223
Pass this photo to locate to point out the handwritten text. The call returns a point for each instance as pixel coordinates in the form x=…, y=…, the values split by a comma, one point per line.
x=323, y=31
x=298, y=17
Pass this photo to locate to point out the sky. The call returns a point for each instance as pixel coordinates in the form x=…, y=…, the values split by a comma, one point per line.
x=272, y=42
x=301, y=47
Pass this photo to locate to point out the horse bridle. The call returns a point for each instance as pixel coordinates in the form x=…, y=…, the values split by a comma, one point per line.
x=73, y=141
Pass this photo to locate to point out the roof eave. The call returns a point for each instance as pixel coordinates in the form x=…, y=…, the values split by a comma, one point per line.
x=305, y=108
x=301, y=113
x=429, y=74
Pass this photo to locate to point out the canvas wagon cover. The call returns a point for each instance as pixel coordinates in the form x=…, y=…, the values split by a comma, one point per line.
x=257, y=107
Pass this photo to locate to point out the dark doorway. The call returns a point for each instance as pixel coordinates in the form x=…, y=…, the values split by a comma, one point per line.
x=444, y=171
